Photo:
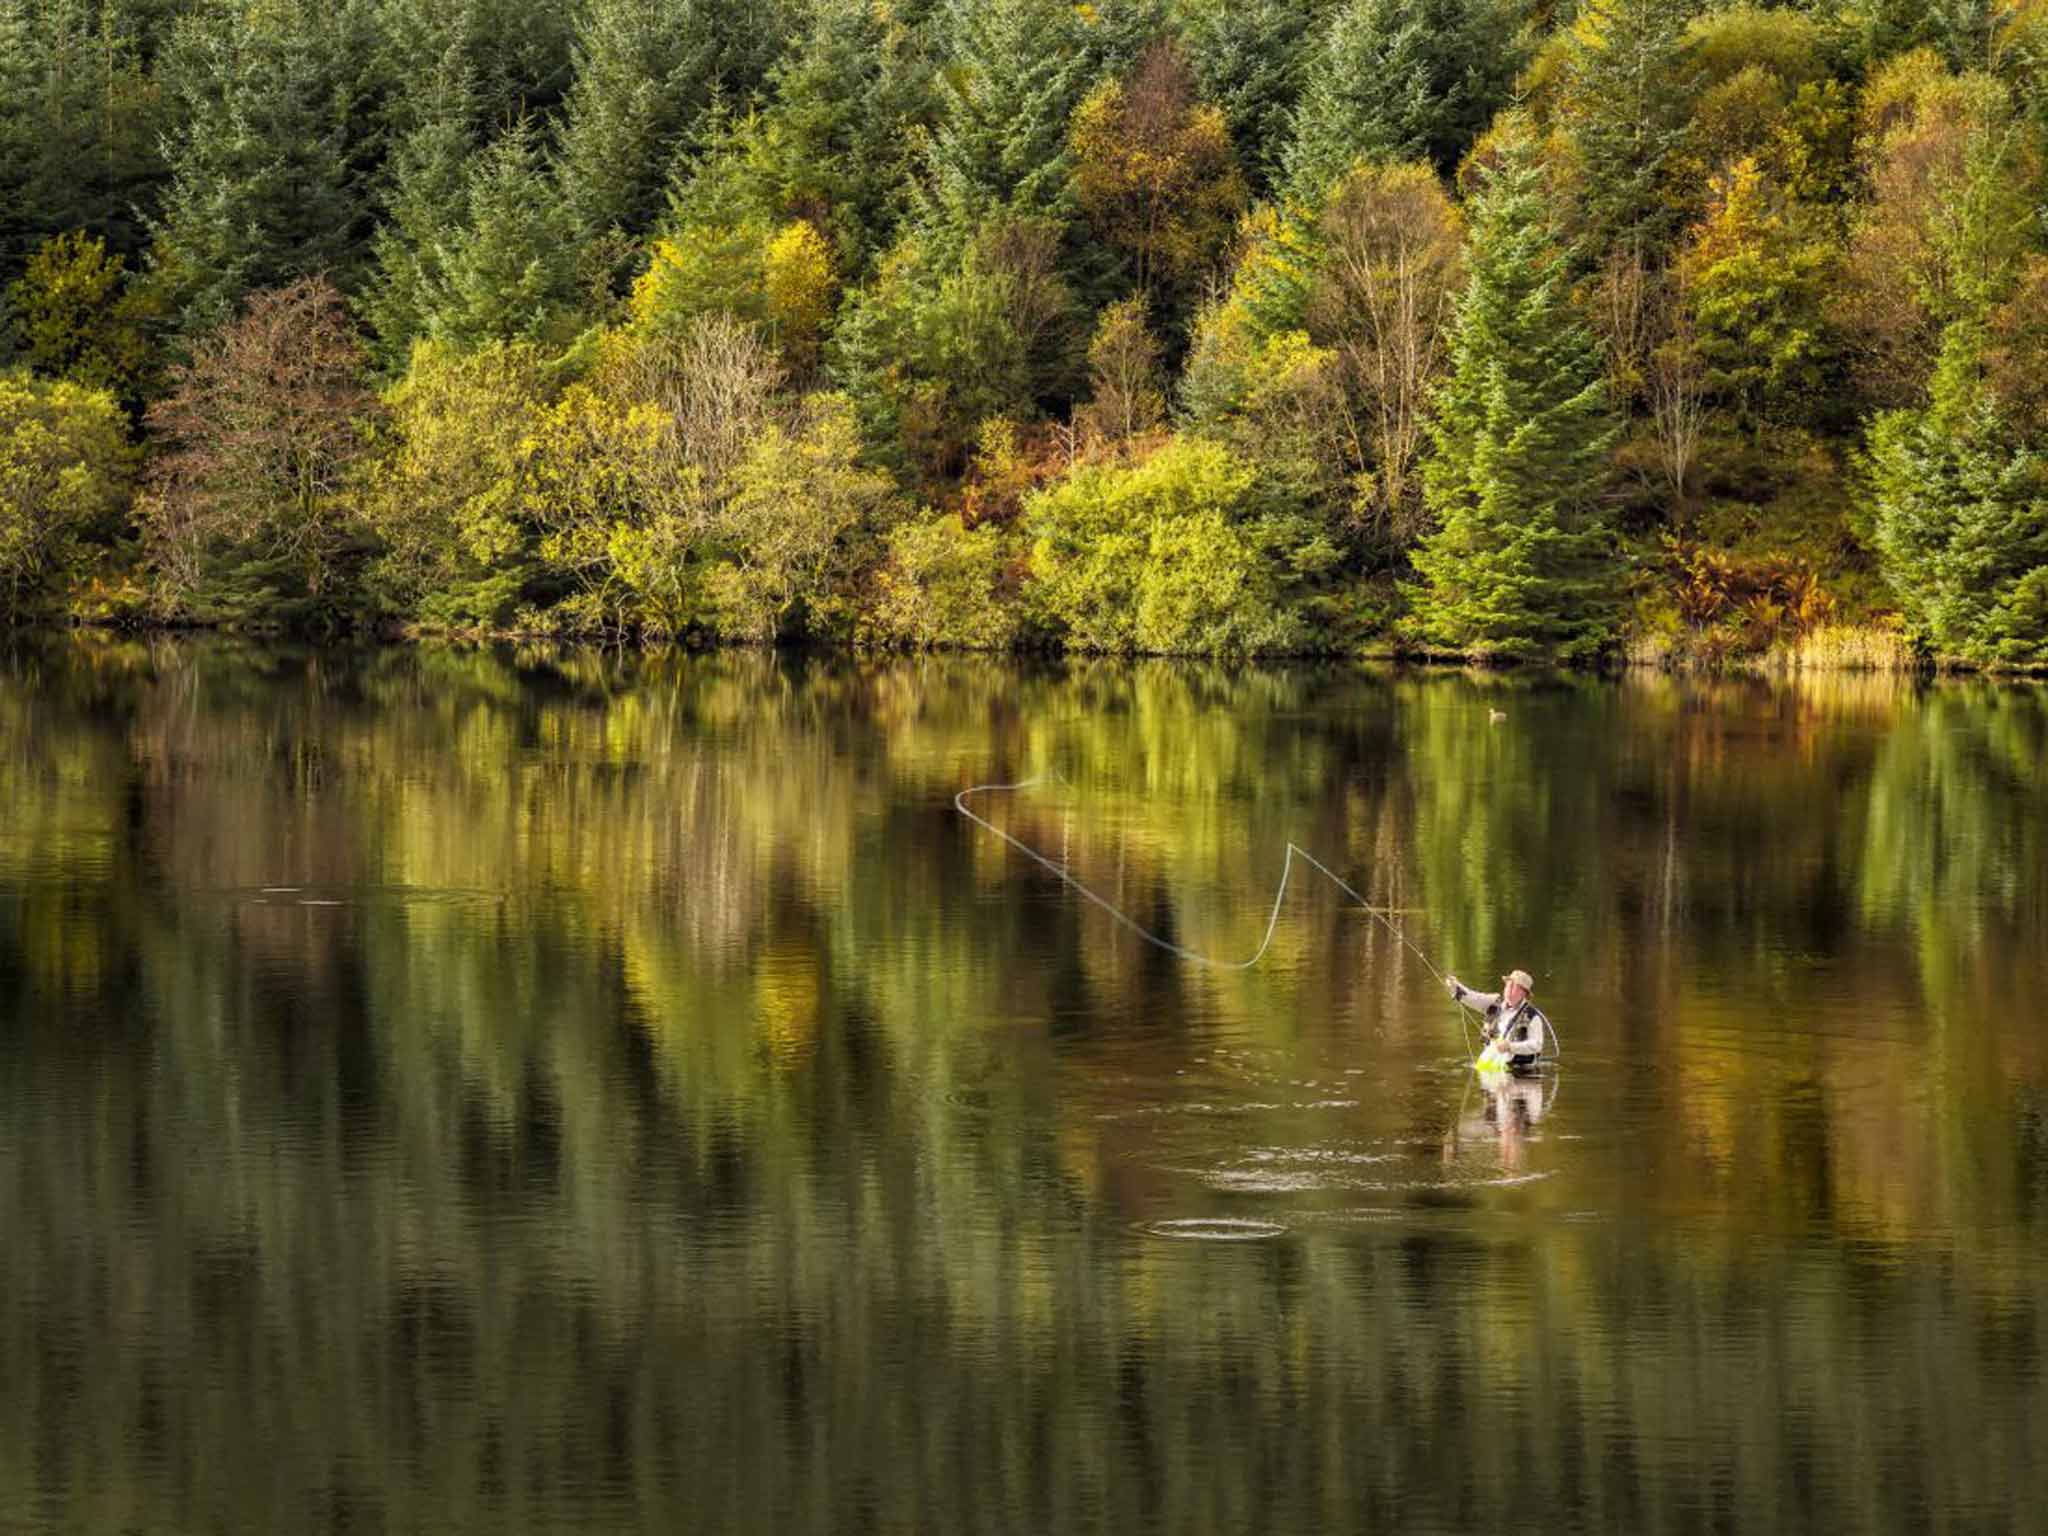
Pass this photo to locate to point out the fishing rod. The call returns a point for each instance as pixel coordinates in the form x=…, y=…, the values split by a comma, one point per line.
x=1193, y=957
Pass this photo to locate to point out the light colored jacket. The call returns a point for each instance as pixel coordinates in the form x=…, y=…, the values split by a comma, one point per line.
x=1521, y=1031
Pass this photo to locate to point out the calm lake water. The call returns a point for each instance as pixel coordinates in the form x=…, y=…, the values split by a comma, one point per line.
x=447, y=1090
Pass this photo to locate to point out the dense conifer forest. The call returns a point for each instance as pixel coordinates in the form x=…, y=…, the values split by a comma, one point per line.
x=1677, y=330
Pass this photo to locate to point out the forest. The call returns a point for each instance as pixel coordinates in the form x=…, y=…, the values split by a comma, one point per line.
x=1628, y=329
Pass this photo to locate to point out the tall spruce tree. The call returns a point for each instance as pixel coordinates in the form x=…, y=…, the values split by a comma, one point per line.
x=427, y=178
x=646, y=71
x=523, y=53
x=1401, y=80
x=1009, y=84
x=517, y=53
x=78, y=126
x=1961, y=487
x=509, y=270
x=837, y=141
x=1013, y=71
x=1249, y=57
x=272, y=153
x=1631, y=80
x=1961, y=516
x=1521, y=564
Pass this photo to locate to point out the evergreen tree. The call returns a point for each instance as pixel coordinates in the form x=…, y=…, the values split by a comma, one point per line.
x=78, y=126
x=1631, y=79
x=1520, y=564
x=427, y=175
x=516, y=52
x=509, y=270
x=645, y=73
x=1249, y=57
x=1012, y=79
x=1961, y=516
x=272, y=153
x=1401, y=80
x=837, y=144
x=1014, y=71
x=522, y=54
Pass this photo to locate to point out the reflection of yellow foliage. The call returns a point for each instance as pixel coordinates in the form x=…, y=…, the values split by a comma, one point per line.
x=1080, y=1154
x=787, y=997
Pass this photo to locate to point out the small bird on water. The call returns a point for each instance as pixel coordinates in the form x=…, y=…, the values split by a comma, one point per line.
x=1495, y=716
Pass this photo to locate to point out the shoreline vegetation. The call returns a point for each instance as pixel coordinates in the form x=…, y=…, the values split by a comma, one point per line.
x=1837, y=651
x=1665, y=333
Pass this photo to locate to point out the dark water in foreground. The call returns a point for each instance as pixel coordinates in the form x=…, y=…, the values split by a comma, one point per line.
x=447, y=1091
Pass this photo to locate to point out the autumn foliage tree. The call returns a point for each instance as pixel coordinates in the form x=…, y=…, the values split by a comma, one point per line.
x=1123, y=363
x=79, y=319
x=1154, y=169
x=1920, y=128
x=249, y=515
x=1391, y=266
x=1755, y=284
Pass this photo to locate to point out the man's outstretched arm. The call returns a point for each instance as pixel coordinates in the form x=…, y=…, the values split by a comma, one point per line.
x=1478, y=1002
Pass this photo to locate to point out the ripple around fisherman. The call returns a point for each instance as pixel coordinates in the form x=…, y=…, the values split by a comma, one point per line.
x=1514, y=1027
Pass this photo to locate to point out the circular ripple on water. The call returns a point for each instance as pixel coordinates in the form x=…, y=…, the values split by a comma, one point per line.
x=1213, y=1229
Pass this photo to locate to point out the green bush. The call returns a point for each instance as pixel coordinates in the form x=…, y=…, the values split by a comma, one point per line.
x=945, y=584
x=1184, y=553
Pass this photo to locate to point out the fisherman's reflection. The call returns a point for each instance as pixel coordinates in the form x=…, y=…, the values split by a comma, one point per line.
x=1507, y=1108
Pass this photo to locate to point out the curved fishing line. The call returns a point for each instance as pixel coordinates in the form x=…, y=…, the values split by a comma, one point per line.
x=1189, y=955
x=1294, y=850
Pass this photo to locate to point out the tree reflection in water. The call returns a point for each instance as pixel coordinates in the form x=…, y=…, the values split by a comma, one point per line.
x=460, y=1088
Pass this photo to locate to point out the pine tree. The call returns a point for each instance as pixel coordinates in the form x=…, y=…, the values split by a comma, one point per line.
x=850, y=103
x=1961, y=516
x=78, y=126
x=517, y=54
x=1520, y=564
x=1013, y=72
x=1401, y=80
x=509, y=270
x=523, y=53
x=1010, y=83
x=1631, y=81
x=272, y=152
x=1249, y=57
x=427, y=179
x=646, y=71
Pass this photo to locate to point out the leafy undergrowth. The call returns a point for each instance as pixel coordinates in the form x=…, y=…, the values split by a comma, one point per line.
x=1763, y=563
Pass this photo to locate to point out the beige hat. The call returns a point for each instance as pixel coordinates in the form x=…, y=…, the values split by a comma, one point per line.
x=1521, y=979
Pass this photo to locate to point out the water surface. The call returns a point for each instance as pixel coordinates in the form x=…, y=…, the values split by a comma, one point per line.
x=522, y=1091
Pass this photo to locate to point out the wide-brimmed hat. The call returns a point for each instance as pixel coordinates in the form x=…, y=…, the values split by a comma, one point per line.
x=1521, y=979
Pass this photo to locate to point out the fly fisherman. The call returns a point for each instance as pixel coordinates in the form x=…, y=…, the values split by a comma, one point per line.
x=1514, y=1025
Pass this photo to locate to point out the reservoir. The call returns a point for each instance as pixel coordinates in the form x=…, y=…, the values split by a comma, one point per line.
x=522, y=1090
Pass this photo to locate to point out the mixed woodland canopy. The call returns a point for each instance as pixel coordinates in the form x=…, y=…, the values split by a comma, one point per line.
x=1486, y=327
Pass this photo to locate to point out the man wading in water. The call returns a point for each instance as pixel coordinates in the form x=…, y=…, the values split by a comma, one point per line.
x=1513, y=1023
